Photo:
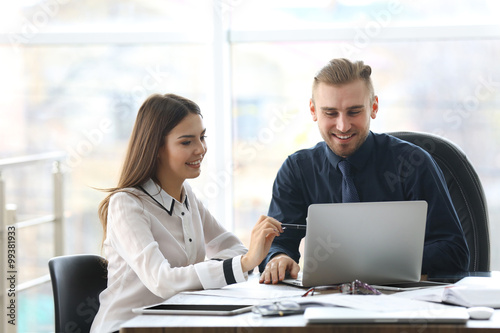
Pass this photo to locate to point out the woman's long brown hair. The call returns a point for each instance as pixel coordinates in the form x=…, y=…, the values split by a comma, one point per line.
x=157, y=116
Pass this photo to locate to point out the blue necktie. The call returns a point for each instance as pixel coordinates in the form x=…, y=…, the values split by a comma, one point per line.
x=349, y=192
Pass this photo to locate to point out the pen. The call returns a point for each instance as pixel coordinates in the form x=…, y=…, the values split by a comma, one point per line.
x=293, y=226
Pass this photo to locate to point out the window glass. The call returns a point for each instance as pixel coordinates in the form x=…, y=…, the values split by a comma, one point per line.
x=27, y=18
x=36, y=309
x=313, y=14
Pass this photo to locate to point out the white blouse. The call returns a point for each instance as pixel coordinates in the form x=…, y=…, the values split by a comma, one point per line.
x=155, y=251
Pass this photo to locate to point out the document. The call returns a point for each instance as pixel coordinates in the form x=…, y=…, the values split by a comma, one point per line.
x=378, y=303
x=251, y=289
x=470, y=291
x=474, y=291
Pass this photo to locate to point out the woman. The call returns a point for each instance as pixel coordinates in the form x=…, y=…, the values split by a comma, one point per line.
x=157, y=234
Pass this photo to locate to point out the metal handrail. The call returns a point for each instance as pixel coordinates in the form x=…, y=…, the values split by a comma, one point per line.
x=30, y=159
x=36, y=221
x=9, y=226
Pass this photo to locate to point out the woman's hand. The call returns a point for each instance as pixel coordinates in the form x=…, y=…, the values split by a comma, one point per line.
x=263, y=234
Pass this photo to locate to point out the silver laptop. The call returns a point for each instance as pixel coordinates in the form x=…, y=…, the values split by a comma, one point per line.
x=374, y=242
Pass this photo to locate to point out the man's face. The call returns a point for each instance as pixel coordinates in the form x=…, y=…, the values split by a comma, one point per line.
x=343, y=114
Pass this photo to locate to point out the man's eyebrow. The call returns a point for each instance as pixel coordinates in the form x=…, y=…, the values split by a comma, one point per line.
x=328, y=108
x=189, y=136
x=331, y=108
x=355, y=107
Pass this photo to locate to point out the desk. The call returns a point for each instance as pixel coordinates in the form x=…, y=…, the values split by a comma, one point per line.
x=254, y=323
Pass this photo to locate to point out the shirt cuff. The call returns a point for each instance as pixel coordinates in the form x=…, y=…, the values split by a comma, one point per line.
x=217, y=274
x=233, y=272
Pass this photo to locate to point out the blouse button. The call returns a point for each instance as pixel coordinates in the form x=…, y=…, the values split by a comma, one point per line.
x=190, y=240
x=182, y=213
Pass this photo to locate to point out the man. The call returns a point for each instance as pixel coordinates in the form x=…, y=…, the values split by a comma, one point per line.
x=384, y=169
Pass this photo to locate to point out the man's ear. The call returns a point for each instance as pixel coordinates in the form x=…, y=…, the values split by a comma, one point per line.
x=374, y=107
x=313, y=110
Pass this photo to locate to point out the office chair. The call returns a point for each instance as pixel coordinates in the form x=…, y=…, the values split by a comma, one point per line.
x=77, y=281
x=466, y=193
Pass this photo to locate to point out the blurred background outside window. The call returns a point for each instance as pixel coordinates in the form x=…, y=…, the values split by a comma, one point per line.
x=74, y=74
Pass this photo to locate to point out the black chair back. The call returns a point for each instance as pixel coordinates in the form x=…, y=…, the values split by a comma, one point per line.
x=77, y=281
x=466, y=193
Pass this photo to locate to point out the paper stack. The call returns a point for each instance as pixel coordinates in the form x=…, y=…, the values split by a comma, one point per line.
x=474, y=291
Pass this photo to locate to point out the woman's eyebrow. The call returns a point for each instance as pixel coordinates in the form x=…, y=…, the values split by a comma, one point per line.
x=191, y=135
x=186, y=136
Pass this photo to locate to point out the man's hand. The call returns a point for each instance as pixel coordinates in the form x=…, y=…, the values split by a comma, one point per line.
x=277, y=268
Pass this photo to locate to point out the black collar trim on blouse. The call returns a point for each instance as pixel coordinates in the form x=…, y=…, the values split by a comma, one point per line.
x=171, y=206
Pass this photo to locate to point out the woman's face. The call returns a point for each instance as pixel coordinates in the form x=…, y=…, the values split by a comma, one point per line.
x=181, y=156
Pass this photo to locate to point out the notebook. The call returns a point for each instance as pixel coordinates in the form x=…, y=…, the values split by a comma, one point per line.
x=374, y=242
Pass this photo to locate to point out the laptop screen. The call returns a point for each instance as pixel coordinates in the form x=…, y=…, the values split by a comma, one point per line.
x=375, y=242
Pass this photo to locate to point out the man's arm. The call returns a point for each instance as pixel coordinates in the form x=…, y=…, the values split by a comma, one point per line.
x=287, y=206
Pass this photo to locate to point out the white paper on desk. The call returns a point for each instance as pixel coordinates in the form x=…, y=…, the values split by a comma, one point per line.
x=433, y=294
x=468, y=292
x=474, y=291
x=251, y=290
x=380, y=303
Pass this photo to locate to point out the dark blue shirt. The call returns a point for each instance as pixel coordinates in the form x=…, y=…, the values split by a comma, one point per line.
x=385, y=169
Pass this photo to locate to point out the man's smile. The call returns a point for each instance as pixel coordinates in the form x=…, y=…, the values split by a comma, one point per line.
x=343, y=136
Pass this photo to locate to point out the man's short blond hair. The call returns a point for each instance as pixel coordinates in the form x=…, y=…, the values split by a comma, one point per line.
x=342, y=71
